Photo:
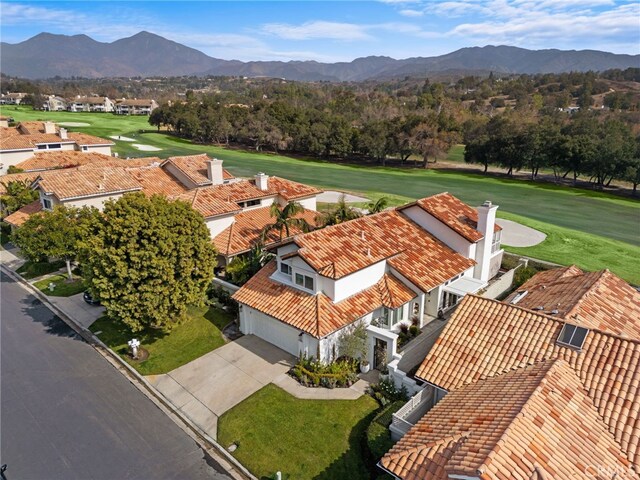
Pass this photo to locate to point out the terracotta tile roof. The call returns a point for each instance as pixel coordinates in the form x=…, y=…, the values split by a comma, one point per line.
x=20, y=216
x=454, y=213
x=486, y=337
x=316, y=314
x=31, y=127
x=86, y=139
x=246, y=231
x=534, y=420
x=75, y=158
x=596, y=300
x=155, y=181
x=26, y=142
x=84, y=182
x=29, y=134
x=194, y=167
x=345, y=248
x=16, y=177
x=290, y=190
x=136, y=102
x=208, y=201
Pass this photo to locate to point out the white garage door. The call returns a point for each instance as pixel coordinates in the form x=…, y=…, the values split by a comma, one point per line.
x=276, y=332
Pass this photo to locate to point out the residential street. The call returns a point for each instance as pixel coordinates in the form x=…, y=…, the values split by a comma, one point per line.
x=68, y=414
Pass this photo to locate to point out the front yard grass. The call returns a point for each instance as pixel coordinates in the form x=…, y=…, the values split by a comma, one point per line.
x=63, y=287
x=305, y=439
x=196, y=335
x=31, y=269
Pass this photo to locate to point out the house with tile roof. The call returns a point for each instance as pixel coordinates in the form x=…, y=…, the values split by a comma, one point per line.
x=12, y=98
x=54, y=103
x=383, y=269
x=486, y=338
x=135, y=106
x=27, y=138
x=90, y=104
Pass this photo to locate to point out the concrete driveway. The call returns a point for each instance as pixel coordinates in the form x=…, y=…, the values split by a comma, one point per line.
x=210, y=385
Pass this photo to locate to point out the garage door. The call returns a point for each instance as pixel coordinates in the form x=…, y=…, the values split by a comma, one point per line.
x=275, y=332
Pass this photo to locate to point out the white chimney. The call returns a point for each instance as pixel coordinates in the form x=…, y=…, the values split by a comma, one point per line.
x=63, y=134
x=49, y=127
x=486, y=225
x=214, y=171
x=262, y=181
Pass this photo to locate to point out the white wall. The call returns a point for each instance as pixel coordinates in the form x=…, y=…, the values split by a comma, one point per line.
x=97, y=202
x=8, y=159
x=308, y=203
x=270, y=329
x=358, y=281
x=217, y=224
x=439, y=230
x=182, y=178
x=99, y=149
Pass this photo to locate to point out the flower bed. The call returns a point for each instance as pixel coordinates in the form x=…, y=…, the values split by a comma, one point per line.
x=338, y=374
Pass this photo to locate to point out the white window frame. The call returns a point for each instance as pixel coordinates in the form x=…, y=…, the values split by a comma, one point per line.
x=289, y=271
x=47, y=204
x=303, y=281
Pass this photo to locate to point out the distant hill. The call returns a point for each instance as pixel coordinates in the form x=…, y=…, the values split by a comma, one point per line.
x=146, y=54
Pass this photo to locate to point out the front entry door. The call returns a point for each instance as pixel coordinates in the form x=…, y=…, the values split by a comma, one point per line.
x=380, y=354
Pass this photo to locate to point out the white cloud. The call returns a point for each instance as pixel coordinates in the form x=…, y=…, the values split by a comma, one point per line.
x=411, y=13
x=317, y=29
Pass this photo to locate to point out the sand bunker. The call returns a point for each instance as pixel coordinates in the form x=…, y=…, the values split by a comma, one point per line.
x=517, y=235
x=145, y=148
x=122, y=138
x=74, y=124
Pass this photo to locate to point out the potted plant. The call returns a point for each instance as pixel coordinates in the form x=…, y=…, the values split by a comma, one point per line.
x=364, y=366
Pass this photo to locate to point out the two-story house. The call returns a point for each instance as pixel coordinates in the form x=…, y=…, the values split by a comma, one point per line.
x=90, y=104
x=393, y=267
x=135, y=106
x=53, y=103
x=21, y=142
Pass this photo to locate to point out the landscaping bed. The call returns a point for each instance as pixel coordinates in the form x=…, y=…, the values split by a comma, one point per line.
x=311, y=373
x=63, y=286
x=31, y=269
x=198, y=334
x=305, y=439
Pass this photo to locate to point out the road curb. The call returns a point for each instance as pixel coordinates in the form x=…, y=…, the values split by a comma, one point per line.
x=216, y=452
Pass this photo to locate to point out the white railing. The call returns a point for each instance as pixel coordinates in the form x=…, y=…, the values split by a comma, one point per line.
x=400, y=424
x=410, y=405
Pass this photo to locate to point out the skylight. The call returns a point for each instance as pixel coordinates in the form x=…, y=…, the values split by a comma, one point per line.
x=572, y=336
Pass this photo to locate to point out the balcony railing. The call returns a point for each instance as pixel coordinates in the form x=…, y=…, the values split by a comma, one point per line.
x=411, y=412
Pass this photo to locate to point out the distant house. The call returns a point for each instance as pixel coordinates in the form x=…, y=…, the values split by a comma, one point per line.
x=90, y=104
x=12, y=98
x=54, y=103
x=395, y=267
x=135, y=106
x=21, y=142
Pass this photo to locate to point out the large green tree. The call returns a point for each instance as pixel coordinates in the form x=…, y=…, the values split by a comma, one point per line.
x=148, y=260
x=19, y=194
x=57, y=233
x=285, y=219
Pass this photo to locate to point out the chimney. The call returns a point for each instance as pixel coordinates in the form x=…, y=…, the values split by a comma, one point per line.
x=486, y=224
x=49, y=127
x=63, y=134
x=262, y=181
x=214, y=171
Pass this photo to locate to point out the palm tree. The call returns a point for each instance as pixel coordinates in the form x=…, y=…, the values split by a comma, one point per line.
x=340, y=213
x=285, y=219
x=377, y=206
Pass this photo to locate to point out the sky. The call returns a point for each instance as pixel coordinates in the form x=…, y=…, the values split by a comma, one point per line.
x=341, y=30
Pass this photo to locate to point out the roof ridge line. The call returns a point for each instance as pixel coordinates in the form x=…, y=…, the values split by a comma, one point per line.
x=441, y=441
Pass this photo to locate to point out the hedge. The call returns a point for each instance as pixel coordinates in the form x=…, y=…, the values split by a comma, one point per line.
x=378, y=435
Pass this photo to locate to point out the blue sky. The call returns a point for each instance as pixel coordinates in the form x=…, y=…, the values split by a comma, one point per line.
x=338, y=31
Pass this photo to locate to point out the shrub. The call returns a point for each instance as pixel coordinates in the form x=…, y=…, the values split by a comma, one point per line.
x=404, y=327
x=219, y=295
x=414, y=330
x=378, y=435
x=312, y=373
x=522, y=275
x=385, y=392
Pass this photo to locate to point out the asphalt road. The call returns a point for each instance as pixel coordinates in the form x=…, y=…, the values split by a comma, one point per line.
x=66, y=413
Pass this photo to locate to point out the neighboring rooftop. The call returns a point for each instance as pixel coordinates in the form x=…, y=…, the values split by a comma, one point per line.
x=594, y=300
x=85, y=182
x=454, y=213
x=21, y=215
x=317, y=314
x=486, y=337
x=194, y=167
x=27, y=135
x=247, y=229
x=345, y=248
x=74, y=158
x=533, y=422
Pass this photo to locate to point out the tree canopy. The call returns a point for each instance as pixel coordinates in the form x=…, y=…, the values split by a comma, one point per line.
x=148, y=260
x=19, y=194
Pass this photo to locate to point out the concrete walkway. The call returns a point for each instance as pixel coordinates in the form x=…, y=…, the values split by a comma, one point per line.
x=515, y=234
x=77, y=308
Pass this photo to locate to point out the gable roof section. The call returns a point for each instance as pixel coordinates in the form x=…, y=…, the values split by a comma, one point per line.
x=208, y=202
x=246, y=230
x=486, y=337
x=536, y=419
x=290, y=190
x=74, y=158
x=316, y=314
x=194, y=167
x=27, y=135
x=454, y=213
x=595, y=300
x=155, y=181
x=345, y=248
x=5, y=180
x=86, y=182
x=20, y=216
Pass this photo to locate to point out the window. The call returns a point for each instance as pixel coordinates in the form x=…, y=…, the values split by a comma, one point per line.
x=85, y=148
x=572, y=336
x=495, y=244
x=304, y=281
x=392, y=316
x=249, y=203
x=53, y=146
x=42, y=147
x=46, y=204
x=286, y=269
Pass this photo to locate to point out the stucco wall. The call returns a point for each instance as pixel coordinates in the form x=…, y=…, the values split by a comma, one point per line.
x=439, y=230
x=106, y=150
x=97, y=202
x=308, y=203
x=356, y=282
x=8, y=159
x=182, y=178
x=218, y=224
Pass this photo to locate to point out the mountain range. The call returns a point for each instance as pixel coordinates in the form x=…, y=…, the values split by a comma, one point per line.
x=146, y=54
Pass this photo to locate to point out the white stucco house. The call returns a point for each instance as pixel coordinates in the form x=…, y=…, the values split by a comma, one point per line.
x=135, y=106
x=90, y=104
x=21, y=142
x=400, y=265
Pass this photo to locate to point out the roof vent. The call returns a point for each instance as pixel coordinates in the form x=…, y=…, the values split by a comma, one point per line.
x=539, y=307
x=368, y=252
x=554, y=311
x=519, y=296
x=362, y=235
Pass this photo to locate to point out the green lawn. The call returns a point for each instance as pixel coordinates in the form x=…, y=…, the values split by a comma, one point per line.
x=456, y=154
x=31, y=269
x=197, y=335
x=602, y=216
x=590, y=252
x=305, y=439
x=63, y=288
